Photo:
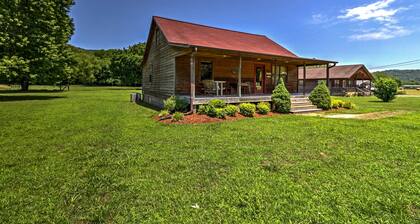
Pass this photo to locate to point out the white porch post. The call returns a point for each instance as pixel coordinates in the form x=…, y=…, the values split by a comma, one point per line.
x=240, y=77
x=328, y=76
x=192, y=81
x=304, y=79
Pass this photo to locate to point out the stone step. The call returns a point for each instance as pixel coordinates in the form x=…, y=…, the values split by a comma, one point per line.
x=298, y=96
x=300, y=111
x=305, y=106
x=301, y=101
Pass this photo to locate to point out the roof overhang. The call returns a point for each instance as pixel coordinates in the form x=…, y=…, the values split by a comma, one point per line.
x=300, y=61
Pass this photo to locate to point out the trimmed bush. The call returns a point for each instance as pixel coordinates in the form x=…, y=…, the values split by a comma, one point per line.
x=337, y=104
x=281, y=98
x=170, y=104
x=247, y=109
x=263, y=108
x=320, y=96
x=163, y=113
x=174, y=103
x=220, y=113
x=349, y=105
x=202, y=109
x=385, y=88
x=231, y=110
x=211, y=111
x=216, y=103
x=178, y=116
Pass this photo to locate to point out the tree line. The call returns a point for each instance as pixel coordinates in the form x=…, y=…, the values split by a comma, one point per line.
x=34, y=49
x=107, y=67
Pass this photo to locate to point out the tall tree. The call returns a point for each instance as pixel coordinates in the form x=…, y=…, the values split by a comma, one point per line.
x=33, y=40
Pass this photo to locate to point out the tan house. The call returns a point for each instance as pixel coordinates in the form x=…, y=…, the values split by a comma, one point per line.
x=200, y=63
x=342, y=79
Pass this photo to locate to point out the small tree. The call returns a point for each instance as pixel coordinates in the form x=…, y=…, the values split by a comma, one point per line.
x=281, y=98
x=320, y=96
x=385, y=88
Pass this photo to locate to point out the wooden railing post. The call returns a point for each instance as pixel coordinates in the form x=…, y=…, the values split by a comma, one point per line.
x=304, y=79
x=328, y=76
x=240, y=77
x=192, y=80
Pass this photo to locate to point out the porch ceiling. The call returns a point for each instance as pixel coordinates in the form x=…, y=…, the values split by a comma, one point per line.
x=219, y=53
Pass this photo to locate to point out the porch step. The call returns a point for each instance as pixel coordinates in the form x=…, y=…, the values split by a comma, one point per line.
x=301, y=104
x=300, y=111
x=303, y=101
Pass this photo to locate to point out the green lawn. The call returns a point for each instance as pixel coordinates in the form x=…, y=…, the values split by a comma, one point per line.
x=90, y=156
x=412, y=92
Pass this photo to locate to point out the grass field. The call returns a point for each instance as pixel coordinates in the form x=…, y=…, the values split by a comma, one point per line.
x=90, y=156
x=412, y=92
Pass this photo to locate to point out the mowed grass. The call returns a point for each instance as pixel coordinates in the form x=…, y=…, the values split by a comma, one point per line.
x=90, y=156
x=412, y=92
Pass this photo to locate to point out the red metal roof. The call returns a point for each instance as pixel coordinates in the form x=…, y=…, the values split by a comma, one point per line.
x=337, y=72
x=190, y=34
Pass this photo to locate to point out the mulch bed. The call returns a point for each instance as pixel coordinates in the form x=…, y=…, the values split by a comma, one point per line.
x=201, y=118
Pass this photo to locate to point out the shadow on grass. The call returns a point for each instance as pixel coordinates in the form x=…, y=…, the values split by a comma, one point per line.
x=32, y=91
x=27, y=97
x=378, y=101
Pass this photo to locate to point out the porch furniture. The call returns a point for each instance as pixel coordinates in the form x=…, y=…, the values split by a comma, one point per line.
x=209, y=87
x=219, y=87
x=246, y=87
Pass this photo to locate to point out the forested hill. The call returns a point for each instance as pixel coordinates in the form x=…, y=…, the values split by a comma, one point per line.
x=107, y=67
x=409, y=76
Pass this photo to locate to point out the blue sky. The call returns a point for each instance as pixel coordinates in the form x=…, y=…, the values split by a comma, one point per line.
x=371, y=32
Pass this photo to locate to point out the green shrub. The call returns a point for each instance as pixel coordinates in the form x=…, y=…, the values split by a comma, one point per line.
x=231, y=110
x=210, y=111
x=202, y=109
x=337, y=104
x=349, y=105
x=170, y=104
x=216, y=103
x=320, y=96
x=263, y=108
x=281, y=98
x=174, y=103
x=220, y=113
x=163, y=113
x=178, y=116
x=247, y=109
x=385, y=88
x=181, y=104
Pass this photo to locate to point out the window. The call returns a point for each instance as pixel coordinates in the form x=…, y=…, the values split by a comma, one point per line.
x=277, y=72
x=336, y=83
x=206, y=70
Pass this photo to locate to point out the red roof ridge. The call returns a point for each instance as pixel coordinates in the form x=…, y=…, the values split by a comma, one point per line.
x=212, y=27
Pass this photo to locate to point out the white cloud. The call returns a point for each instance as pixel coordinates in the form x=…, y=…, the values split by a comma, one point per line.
x=383, y=15
x=383, y=33
x=378, y=11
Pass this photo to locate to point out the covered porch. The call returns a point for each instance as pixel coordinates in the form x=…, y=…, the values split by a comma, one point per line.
x=236, y=77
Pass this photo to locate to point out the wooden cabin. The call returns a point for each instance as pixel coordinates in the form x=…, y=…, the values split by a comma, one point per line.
x=200, y=63
x=342, y=79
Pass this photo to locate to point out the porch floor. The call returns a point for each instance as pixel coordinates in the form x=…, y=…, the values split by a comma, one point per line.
x=245, y=98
